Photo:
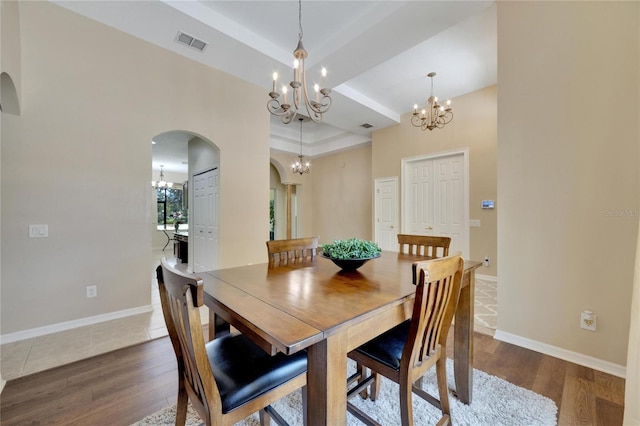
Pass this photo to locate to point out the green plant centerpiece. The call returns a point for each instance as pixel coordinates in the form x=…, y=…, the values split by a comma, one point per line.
x=350, y=254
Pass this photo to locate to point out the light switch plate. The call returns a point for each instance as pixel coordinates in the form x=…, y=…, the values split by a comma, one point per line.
x=38, y=231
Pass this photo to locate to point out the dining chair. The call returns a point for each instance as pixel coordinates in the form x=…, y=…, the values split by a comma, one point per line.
x=282, y=252
x=230, y=377
x=406, y=352
x=424, y=245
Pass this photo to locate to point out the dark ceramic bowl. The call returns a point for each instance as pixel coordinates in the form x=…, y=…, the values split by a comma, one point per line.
x=350, y=264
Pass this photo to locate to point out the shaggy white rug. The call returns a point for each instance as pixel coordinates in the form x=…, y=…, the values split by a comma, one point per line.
x=496, y=402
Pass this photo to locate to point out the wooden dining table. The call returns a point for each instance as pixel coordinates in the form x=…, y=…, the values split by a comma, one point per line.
x=313, y=305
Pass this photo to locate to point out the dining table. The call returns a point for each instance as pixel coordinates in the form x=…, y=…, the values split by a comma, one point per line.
x=313, y=305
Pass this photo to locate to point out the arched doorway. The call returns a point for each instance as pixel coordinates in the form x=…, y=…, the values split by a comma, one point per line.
x=191, y=163
x=9, y=102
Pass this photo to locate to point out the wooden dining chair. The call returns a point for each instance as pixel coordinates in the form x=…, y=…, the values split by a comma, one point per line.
x=424, y=245
x=282, y=252
x=406, y=352
x=230, y=377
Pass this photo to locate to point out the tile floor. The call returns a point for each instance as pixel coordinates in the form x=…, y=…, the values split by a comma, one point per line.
x=40, y=353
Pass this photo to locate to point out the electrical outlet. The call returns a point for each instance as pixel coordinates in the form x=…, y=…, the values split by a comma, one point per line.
x=588, y=320
x=92, y=291
x=487, y=261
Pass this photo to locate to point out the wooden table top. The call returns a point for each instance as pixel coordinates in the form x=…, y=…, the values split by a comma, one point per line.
x=299, y=305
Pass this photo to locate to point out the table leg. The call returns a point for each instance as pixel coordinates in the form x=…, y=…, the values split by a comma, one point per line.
x=463, y=339
x=327, y=382
x=217, y=326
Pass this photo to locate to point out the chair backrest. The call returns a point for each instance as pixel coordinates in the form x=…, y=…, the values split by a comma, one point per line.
x=181, y=297
x=437, y=294
x=424, y=245
x=282, y=252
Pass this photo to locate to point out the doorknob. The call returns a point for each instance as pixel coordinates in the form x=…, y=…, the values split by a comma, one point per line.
x=429, y=227
x=391, y=226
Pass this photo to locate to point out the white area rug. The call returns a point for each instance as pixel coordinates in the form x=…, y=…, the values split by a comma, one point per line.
x=496, y=402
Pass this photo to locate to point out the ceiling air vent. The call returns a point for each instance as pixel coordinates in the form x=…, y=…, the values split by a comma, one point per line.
x=191, y=41
x=366, y=125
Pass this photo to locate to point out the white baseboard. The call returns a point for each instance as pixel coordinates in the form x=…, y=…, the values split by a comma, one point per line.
x=575, y=357
x=68, y=325
x=491, y=278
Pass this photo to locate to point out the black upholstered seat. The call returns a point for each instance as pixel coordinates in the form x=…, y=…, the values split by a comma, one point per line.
x=387, y=348
x=243, y=371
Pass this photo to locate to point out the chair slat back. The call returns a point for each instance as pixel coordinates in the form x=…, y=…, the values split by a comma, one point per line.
x=424, y=245
x=181, y=297
x=437, y=294
x=282, y=252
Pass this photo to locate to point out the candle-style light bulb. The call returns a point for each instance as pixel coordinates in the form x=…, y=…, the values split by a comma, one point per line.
x=415, y=108
x=296, y=70
x=284, y=92
x=324, y=77
x=317, y=89
x=275, y=79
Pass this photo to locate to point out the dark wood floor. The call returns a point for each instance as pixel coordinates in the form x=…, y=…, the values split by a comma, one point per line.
x=124, y=386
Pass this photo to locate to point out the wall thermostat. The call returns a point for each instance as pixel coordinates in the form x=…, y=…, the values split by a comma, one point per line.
x=487, y=204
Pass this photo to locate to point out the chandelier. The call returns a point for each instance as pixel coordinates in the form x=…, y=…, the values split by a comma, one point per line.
x=301, y=166
x=433, y=115
x=299, y=94
x=161, y=183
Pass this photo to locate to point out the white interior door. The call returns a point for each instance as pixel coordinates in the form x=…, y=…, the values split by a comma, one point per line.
x=420, y=181
x=436, y=200
x=205, y=230
x=386, y=199
x=449, y=204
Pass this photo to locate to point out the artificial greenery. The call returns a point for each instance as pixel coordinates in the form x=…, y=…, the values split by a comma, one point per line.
x=353, y=248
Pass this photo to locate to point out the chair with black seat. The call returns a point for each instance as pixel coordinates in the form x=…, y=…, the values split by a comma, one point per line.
x=283, y=252
x=406, y=352
x=424, y=245
x=230, y=377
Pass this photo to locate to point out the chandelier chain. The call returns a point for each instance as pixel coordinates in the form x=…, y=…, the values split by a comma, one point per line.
x=300, y=32
x=301, y=166
x=298, y=86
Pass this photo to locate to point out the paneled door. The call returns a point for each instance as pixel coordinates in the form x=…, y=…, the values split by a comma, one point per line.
x=205, y=218
x=435, y=198
x=386, y=225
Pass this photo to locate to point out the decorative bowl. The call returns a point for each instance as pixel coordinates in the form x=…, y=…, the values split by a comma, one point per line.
x=349, y=264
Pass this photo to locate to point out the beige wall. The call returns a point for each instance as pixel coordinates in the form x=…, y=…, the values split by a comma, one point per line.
x=568, y=172
x=474, y=127
x=343, y=195
x=335, y=198
x=78, y=160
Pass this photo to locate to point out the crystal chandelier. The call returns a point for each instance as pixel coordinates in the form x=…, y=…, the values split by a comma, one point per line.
x=433, y=115
x=161, y=183
x=301, y=166
x=299, y=94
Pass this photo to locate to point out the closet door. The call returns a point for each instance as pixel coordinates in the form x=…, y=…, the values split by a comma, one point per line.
x=434, y=199
x=420, y=181
x=449, y=200
x=205, y=231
